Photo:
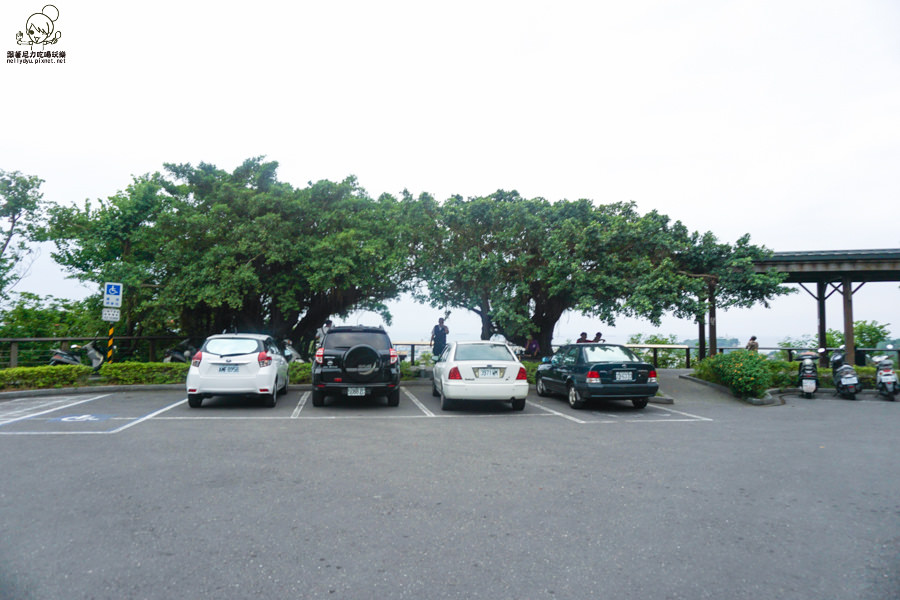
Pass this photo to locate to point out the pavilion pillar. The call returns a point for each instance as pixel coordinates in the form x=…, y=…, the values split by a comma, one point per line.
x=849, y=341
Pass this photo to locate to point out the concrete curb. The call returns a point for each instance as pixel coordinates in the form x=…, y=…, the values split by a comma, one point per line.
x=768, y=400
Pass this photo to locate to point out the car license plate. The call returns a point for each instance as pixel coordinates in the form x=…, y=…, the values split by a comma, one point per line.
x=229, y=369
x=849, y=380
x=356, y=391
x=623, y=376
x=489, y=373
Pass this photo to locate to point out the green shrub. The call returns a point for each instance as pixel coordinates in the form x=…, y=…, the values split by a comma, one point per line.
x=300, y=372
x=744, y=373
x=21, y=378
x=137, y=373
x=406, y=371
x=530, y=368
x=782, y=374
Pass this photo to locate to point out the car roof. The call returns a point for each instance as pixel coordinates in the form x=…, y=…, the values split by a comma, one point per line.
x=461, y=342
x=253, y=336
x=355, y=329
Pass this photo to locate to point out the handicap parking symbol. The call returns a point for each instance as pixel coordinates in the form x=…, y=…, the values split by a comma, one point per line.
x=82, y=418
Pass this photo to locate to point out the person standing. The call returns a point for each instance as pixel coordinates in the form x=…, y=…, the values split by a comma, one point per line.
x=753, y=345
x=320, y=334
x=582, y=339
x=533, y=348
x=439, y=337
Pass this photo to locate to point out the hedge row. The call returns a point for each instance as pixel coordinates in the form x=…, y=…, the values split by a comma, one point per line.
x=23, y=378
x=750, y=375
x=124, y=373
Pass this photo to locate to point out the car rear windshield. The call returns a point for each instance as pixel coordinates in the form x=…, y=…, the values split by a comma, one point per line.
x=224, y=346
x=483, y=352
x=608, y=354
x=348, y=339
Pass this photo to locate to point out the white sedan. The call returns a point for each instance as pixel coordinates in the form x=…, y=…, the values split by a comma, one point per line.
x=479, y=371
x=237, y=364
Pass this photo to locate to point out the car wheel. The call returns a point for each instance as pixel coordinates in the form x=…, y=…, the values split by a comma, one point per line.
x=640, y=403
x=318, y=398
x=518, y=404
x=434, y=391
x=393, y=398
x=575, y=399
x=541, y=389
x=446, y=403
x=284, y=388
x=269, y=400
x=195, y=400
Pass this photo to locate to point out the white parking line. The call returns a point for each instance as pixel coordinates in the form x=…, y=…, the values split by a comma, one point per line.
x=555, y=412
x=300, y=405
x=415, y=400
x=150, y=416
x=678, y=412
x=54, y=409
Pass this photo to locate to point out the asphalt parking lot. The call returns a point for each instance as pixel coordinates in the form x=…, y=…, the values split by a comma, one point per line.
x=131, y=494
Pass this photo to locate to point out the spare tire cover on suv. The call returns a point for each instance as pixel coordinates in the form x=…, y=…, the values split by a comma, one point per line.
x=361, y=363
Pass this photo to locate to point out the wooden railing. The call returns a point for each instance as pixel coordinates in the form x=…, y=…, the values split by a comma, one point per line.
x=10, y=348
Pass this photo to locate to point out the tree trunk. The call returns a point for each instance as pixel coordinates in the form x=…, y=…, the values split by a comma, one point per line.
x=701, y=350
x=484, y=313
x=713, y=349
x=546, y=316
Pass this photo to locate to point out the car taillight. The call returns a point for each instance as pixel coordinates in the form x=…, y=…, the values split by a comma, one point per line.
x=395, y=357
x=195, y=360
x=523, y=374
x=593, y=377
x=264, y=359
x=320, y=356
x=652, y=377
x=454, y=373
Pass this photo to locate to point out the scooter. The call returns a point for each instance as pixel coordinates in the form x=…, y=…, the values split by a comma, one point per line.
x=846, y=382
x=180, y=353
x=289, y=352
x=73, y=356
x=885, y=378
x=808, y=372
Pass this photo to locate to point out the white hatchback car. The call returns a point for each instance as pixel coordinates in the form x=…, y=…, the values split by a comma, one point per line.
x=479, y=371
x=237, y=364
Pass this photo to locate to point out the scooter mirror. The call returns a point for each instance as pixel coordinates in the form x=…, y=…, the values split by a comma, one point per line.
x=821, y=350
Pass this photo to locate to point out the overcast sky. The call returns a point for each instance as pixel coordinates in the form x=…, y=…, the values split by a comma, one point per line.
x=776, y=118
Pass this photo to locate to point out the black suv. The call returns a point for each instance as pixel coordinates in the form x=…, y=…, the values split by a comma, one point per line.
x=354, y=362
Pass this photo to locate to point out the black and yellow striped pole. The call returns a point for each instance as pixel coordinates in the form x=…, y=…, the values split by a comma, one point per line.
x=109, y=344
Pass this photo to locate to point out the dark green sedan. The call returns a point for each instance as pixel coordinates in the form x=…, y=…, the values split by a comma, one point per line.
x=583, y=372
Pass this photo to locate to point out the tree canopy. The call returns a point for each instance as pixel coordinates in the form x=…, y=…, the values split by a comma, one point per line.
x=21, y=211
x=201, y=250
